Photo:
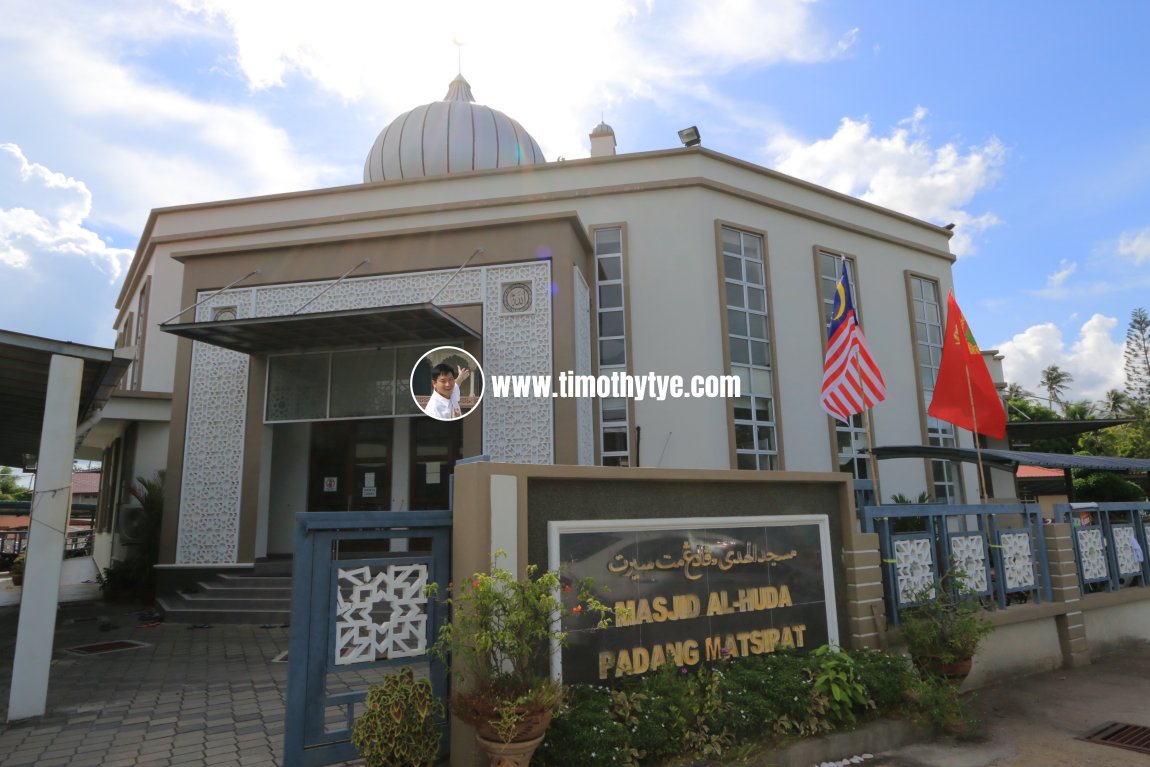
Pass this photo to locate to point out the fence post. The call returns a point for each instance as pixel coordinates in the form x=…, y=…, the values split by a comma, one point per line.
x=866, y=613
x=1065, y=589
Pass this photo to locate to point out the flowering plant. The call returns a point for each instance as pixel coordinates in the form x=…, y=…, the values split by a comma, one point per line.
x=502, y=634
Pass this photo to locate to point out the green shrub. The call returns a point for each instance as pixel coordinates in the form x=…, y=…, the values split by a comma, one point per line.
x=834, y=679
x=762, y=690
x=674, y=714
x=660, y=730
x=887, y=678
x=398, y=725
x=586, y=732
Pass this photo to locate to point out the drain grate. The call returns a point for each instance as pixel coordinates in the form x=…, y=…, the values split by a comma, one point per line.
x=105, y=647
x=1135, y=737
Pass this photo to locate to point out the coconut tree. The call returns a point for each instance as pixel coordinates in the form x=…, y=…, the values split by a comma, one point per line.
x=1114, y=403
x=1055, y=380
x=1081, y=410
x=1015, y=391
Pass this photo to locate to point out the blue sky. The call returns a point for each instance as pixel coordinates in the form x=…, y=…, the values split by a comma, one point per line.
x=1027, y=124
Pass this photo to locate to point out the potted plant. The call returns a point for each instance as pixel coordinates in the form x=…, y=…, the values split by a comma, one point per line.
x=398, y=727
x=944, y=627
x=499, y=642
x=16, y=570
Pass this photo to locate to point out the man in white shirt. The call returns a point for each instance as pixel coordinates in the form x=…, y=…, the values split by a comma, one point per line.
x=444, y=401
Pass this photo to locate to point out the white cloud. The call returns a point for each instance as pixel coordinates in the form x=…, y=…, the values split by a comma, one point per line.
x=1054, y=282
x=42, y=216
x=553, y=66
x=1094, y=358
x=139, y=141
x=902, y=171
x=1136, y=245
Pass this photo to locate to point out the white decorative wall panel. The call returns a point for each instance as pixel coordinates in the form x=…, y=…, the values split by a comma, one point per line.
x=1017, y=560
x=1128, y=564
x=585, y=410
x=381, y=613
x=214, y=445
x=1092, y=553
x=914, y=561
x=518, y=429
x=969, y=552
x=514, y=430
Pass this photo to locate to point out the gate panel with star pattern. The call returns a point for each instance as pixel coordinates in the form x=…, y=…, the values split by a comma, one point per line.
x=359, y=613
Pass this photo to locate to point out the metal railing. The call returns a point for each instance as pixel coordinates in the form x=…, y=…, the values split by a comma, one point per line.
x=1110, y=543
x=1001, y=549
x=13, y=542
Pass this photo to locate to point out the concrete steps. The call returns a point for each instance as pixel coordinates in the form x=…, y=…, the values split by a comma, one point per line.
x=260, y=598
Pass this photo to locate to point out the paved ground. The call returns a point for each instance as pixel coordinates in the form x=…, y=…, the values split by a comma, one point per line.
x=215, y=696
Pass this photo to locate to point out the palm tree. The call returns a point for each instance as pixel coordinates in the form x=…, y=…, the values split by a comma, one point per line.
x=1114, y=403
x=1081, y=410
x=1015, y=391
x=1055, y=381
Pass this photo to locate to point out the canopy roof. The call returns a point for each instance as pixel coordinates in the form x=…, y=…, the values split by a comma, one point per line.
x=387, y=326
x=24, y=363
x=1012, y=459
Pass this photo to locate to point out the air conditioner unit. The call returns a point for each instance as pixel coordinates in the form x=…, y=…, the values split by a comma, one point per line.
x=132, y=524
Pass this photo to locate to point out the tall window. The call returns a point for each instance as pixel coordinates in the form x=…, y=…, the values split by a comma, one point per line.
x=928, y=336
x=612, y=326
x=749, y=345
x=141, y=331
x=851, y=439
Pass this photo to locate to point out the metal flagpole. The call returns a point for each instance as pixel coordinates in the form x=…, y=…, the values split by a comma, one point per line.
x=974, y=422
x=866, y=428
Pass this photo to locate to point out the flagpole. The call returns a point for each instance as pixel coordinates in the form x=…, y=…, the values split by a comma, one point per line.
x=982, y=478
x=866, y=428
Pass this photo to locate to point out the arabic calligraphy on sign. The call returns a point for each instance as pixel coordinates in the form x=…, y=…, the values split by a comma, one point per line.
x=694, y=560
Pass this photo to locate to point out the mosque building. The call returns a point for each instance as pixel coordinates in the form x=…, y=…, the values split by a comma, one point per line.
x=274, y=337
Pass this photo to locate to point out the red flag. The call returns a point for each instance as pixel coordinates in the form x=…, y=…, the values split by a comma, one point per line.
x=851, y=379
x=964, y=392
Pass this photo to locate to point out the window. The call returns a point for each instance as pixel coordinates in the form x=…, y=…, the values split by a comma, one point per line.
x=850, y=439
x=749, y=347
x=367, y=383
x=136, y=378
x=928, y=337
x=614, y=423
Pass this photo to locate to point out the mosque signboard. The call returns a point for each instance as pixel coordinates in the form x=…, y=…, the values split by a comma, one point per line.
x=690, y=592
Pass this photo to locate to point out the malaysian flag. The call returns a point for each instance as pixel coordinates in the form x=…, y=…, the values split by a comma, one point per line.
x=851, y=379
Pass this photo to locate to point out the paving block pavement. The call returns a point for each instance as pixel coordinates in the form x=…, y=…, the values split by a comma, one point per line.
x=201, y=697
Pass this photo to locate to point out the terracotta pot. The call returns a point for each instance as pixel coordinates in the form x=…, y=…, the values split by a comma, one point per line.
x=955, y=672
x=478, y=710
x=514, y=754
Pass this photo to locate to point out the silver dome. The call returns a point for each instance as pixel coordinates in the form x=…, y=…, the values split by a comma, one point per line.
x=449, y=136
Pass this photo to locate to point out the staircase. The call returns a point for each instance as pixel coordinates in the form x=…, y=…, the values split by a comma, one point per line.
x=263, y=597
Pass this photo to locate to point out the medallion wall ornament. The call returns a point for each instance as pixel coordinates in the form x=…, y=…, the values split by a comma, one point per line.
x=515, y=430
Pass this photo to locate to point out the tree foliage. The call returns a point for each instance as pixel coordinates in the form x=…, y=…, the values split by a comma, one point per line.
x=1137, y=357
x=1055, y=380
x=10, y=487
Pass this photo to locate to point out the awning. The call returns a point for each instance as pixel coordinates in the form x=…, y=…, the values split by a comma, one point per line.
x=1030, y=430
x=387, y=326
x=24, y=363
x=1011, y=459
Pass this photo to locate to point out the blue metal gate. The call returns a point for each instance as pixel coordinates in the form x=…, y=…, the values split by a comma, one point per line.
x=358, y=613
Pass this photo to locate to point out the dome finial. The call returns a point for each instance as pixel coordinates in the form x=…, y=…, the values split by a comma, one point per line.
x=459, y=90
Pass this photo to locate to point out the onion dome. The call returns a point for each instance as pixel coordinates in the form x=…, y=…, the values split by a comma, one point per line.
x=449, y=136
